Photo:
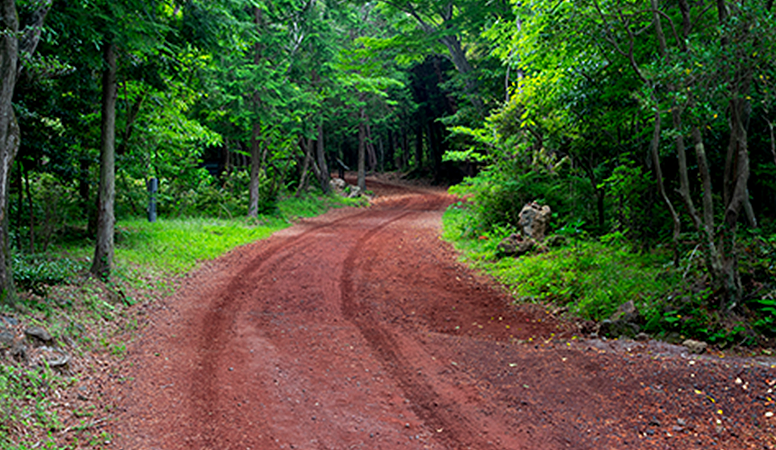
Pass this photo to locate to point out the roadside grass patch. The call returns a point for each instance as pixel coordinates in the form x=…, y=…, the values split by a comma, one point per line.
x=592, y=278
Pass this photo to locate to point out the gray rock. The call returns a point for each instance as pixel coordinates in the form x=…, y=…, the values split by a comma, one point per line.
x=6, y=338
x=10, y=321
x=694, y=346
x=515, y=245
x=642, y=337
x=19, y=351
x=38, y=333
x=627, y=312
x=624, y=322
x=534, y=219
x=53, y=358
x=338, y=184
x=355, y=191
x=613, y=328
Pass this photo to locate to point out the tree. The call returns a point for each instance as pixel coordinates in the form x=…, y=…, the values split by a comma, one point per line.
x=9, y=132
x=11, y=51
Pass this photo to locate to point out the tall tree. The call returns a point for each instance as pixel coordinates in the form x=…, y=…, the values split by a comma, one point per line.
x=9, y=132
x=106, y=220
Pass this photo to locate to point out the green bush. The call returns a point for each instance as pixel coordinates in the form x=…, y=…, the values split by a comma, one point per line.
x=35, y=272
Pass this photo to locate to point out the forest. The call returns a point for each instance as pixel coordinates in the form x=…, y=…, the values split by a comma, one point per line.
x=646, y=126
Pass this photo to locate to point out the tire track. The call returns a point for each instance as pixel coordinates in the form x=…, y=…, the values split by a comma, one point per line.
x=437, y=413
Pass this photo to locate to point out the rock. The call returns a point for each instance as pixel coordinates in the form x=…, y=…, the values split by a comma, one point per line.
x=38, y=333
x=9, y=320
x=19, y=351
x=627, y=312
x=555, y=240
x=338, y=184
x=515, y=245
x=613, y=328
x=355, y=191
x=534, y=219
x=6, y=338
x=642, y=337
x=624, y=322
x=694, y=346
x=53, y=358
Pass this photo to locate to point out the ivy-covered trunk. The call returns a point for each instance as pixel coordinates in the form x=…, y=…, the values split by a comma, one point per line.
x=9, y=134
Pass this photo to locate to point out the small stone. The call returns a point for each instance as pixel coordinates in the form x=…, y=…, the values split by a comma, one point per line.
x=681, y=422
x=6, y=338
x=10, y=321
x=19, y=351
x=642, y=337
x=694, y=346
x=677, y=429
x=38, y=333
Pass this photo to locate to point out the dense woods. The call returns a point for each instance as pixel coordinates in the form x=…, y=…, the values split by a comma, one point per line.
x=645, y=120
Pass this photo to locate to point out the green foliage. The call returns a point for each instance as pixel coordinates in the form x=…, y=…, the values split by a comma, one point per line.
x=35, y=272
x=25, y=398
x=496, y=198
x=592, y=278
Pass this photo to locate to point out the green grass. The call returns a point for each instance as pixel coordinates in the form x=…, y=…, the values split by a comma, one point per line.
x=591, y=277
x=175, y=246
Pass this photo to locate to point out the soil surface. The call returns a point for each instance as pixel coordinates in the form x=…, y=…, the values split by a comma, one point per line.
x=360, y=330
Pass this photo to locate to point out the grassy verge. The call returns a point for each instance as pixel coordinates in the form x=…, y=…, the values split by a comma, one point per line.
x=90, y=321
x=593, y=277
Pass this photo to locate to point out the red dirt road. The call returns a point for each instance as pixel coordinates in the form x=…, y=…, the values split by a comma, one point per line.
x=359, y=330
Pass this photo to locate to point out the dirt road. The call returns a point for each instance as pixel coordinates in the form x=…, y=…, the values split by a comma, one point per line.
x=359, y=330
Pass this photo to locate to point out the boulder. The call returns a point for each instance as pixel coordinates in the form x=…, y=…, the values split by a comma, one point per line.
x=6, y=338
x=515, y=245
x=338, y=184
x=355, y=191
x=534, y=220
x=694, y=346
x=624, y=322
x=38, y=333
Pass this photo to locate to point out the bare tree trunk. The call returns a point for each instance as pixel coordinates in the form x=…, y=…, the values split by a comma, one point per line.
x=361, y=146
x=30, y=207
x=324, y=176
x=9, y=135
x=370, y=146
x=308, y=156
x=253, y=189
x=654, y=151
x=103, y=252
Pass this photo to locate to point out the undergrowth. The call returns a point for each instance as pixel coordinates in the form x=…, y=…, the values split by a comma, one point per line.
x=592, y=277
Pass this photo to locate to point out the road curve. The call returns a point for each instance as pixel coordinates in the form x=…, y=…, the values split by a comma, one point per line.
x=359, y=330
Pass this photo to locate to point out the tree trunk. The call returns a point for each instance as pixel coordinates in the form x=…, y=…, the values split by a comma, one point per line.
x=370, y=146
x=322, y=165
x=361, y=146
x=9, y=135
x=308, y=156
x=253, y=190
x=458, y=56
x=103, y=252
x=30, y=207
x=655, y=152
x=419, y=147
